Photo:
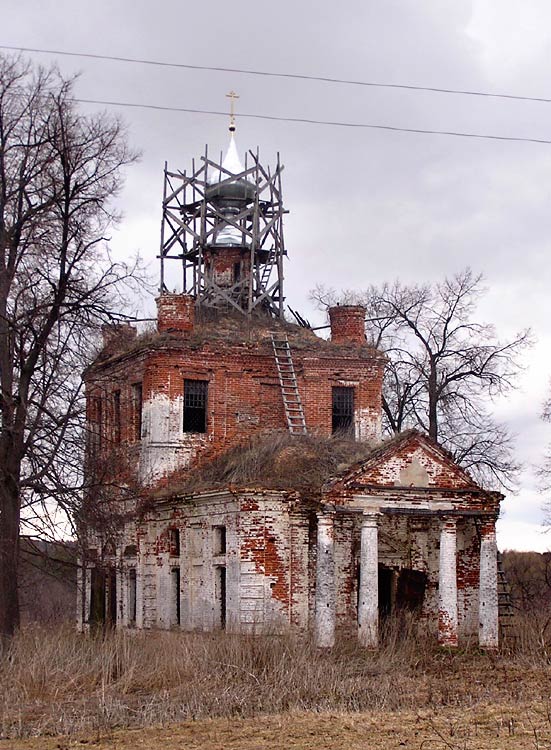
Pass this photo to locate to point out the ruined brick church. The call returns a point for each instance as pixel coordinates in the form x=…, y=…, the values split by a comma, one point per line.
x=254, y=490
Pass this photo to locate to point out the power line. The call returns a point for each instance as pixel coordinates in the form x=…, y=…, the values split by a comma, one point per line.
x=271, y=74
x=311, y=121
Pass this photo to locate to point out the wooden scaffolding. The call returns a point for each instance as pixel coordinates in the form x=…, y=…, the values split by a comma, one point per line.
x=192, y=223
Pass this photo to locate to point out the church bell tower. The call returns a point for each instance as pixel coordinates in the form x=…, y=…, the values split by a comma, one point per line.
x=223, y=224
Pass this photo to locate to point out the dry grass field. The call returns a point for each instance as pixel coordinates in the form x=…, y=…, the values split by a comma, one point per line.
x=484, y=728
x=167, y=690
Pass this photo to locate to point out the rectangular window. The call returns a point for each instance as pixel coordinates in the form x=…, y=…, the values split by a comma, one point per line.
x=219, y=540
x=343, y=410
x=174, y=542
x=117, y=416
x=132, y=596
x=195, y=405
x=137, y=398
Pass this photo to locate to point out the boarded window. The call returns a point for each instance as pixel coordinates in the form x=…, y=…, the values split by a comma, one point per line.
x=137, y=400
x=195, y=405
x=343, y=410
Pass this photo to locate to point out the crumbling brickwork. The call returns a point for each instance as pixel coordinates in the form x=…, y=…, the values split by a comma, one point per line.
x=242, y=387
x=247, y=558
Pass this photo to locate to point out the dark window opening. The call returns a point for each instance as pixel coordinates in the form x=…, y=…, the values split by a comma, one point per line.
x=219, y=540
x=132, y=588
x=137, y=400
x=117, y=416
x=130, y=550
x=221, y=595
x=195, y=405
x=343, y=410
x=236, y=272
x=174, y=541
x=176, y=611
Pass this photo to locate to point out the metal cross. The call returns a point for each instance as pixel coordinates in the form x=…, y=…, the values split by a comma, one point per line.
x=232, y=96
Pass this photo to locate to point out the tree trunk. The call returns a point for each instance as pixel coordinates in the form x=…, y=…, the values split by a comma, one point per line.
x=9, y=555
x=433, y=403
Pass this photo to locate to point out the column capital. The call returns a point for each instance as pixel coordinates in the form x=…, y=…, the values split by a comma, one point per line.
x=325, y=516
x=448, y=522
x=371, y=518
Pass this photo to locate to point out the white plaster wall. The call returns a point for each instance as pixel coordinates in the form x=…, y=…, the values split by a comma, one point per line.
x=415, y=470
x=367, y=425
x=165, y=447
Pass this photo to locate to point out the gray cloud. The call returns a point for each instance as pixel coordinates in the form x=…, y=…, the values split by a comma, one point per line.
x=365, y=205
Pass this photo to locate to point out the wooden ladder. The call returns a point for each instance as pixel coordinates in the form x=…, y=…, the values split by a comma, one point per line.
x=288, y=382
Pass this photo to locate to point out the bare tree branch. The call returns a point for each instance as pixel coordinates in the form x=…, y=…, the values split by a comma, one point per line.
x=59, y=173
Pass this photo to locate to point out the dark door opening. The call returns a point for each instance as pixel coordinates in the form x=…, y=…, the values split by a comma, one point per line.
x=386, y=576
x=410, y=591
x=112, y=596
x=176, y=611
x=221, y=596
x=97, y=597
x=132, y=590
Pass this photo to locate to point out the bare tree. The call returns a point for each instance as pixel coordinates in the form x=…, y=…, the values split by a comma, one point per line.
x=443, y=368
x=59, y=171
x=543, y=470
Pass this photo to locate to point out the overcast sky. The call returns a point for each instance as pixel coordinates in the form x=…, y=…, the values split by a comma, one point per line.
x=366, y=205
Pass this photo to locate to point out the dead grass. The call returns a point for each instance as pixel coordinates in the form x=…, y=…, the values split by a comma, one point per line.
x=489, y=727
x=59, y=682
x=276, y=460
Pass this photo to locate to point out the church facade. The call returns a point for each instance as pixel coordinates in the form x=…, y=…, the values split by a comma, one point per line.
x=181, y=539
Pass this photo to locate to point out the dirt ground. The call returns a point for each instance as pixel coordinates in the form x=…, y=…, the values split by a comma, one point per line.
x=489, y=727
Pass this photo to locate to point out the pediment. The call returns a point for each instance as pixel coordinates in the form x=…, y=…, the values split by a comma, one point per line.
x=409, y=460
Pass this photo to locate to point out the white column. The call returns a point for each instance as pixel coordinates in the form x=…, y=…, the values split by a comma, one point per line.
x=447, y=584
x=325, y=583
x=368, y=600
x=488, y=610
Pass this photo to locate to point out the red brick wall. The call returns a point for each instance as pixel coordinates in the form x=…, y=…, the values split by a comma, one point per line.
x=175, y=312
x=347, y=323
x=244, y=395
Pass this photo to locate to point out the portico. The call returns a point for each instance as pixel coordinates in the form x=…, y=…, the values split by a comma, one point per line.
x=429, y=547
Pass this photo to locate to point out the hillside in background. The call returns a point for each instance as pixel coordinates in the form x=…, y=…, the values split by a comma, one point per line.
x=47, y=586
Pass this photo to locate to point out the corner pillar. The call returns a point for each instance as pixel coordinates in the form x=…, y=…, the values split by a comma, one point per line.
x=368, y=600
x=488, y=602
x=447, y=584
x=325, y=583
